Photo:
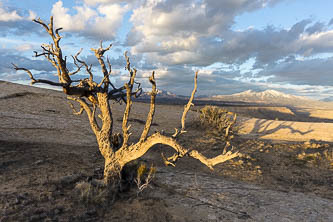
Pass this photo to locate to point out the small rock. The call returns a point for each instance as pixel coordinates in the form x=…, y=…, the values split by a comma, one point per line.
x=26, y=202
x=39, y=211
x=91, y=213
x=53, y=188
x=17, y=200
x=4, y=218
x=57, y=211
x=34, y=218
x=43, y=215
x=38, y=162
x=69, y=179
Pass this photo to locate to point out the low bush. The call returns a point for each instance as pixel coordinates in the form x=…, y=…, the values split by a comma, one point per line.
x=219, y=119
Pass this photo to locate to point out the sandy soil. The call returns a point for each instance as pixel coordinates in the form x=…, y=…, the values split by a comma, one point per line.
x=286, y=130
x=45, y=152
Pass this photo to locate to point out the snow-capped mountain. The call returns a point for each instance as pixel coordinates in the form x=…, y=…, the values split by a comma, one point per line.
x=161, y=94
x=268, y=96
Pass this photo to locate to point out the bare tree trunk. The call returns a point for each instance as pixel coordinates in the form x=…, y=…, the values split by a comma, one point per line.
x=92, y=96
x=112, y=168
x=112, y=172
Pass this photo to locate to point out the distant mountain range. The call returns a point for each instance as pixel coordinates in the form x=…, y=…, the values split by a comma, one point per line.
x=161, y=94
x=266, y=97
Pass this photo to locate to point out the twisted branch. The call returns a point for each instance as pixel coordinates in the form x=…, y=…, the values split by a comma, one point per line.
x=151, y=110
x=74, y=110
x=187, y=108
x=99, y=55
x=90, y=113
x=33, y=80
x=139, y=149
x=60, y=62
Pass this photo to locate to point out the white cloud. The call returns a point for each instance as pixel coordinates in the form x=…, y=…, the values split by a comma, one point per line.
x=32, y=15
x=99, y=23
x=171, y=33
x=9, y=16
x=189, y=31
x=69, y=22
x=111, y=19
x=24, y=47
x=97, y=2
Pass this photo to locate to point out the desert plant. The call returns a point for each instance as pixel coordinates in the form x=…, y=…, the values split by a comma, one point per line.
x=220, y=120
x=88, y=193
x=144, y=176
x=94, y=98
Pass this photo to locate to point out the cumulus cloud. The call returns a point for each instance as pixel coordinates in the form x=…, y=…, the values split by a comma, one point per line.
x=6, y=16
x=97, y=2
x=15, y=21
x=7, y=57
x=266, y=46
x=156, y=22
x=170, y=33
x=70, y=22
x=199, y=33
x=99, y=23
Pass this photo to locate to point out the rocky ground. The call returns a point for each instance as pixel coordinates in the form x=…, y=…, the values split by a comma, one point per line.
x=47, y=154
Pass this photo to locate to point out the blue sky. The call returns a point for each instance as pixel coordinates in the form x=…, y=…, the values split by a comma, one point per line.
x=237, y=45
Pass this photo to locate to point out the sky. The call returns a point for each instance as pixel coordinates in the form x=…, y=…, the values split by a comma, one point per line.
x=237, y=45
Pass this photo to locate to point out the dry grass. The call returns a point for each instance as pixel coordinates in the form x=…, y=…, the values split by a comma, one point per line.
x=297, y=167
x=317, y=158
x=90, y=194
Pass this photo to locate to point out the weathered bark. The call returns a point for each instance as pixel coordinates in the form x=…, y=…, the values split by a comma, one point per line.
x=92, y=97
x=112, y=171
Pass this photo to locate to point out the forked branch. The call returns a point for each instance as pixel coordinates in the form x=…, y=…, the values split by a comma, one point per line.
x=99, y=53
x=140, y=149
x=137, y=150
x=90, y=112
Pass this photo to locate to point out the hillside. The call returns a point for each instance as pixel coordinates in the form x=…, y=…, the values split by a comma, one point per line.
x=45, y=151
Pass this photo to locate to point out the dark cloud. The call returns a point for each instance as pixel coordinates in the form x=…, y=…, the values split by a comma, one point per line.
x=315, y=28
x=267, y=46
x=7, y=58
x=330, y=22
x=306, y=72
x=40, y=67
x=20, y=28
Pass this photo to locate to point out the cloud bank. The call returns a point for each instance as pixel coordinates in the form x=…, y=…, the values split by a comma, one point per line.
x=175, y=38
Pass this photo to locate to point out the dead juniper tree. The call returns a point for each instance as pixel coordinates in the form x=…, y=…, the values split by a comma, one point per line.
x=94, y=98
